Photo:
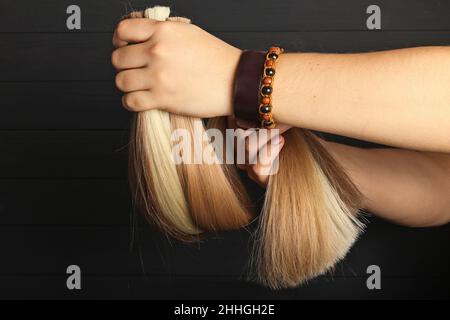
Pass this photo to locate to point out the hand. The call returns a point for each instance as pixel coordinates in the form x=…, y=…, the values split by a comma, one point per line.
x=265, y=152
x=173, y=66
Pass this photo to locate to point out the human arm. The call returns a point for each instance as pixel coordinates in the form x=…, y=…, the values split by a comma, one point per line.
x=397, y=97
x=411, y=188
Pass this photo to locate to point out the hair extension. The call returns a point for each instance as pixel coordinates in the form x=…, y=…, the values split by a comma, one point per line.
x=309, y=217
x=179, y=198
x=308, y=221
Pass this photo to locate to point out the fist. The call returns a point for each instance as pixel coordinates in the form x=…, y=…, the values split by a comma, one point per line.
x=175, y=67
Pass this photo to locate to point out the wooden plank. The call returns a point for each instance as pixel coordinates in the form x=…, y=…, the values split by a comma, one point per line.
x=54, y=287
x=231, y=15
x=105, y=250
x=62, y=105
x=72, y=202
x=76, y=106
x=182, y=288
x=86, y=57
x=63, y=57
x=48, y=154
x=173, y=287
x=63, y=154
x=401, y=251
x=38, y=251
x=63, y=194
x=45, y=250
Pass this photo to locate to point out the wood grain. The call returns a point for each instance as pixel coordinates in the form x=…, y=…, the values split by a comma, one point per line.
x=64, y=196
x=231, y=15
x=86, y=57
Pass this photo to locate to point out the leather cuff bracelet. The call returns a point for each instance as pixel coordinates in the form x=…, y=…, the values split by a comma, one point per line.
x=247, y=85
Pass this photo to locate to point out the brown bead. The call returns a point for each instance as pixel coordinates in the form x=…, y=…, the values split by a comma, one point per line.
x=265, y=108
x=268, y=124
x=266, y=116
x=267, y=80
x=277, y=50
x=269, y=63
x=265, y=100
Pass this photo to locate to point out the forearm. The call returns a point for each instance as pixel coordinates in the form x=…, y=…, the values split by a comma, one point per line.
x=399, y=97
x=408, y=187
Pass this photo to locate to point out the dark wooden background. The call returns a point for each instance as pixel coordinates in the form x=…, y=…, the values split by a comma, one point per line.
x=63, y=192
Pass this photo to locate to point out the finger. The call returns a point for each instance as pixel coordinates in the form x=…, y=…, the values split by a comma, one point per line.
x=133, y=80
x=133, y=31
x=242, y=147
x=138, y=101
x=267, y=160
x=255, y=142
x=132, y=56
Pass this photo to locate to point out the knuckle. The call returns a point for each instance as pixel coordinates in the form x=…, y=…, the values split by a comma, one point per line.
x=122, y=26
x=158, y=48
x=165, y=26
x=158, y=76
x=130, y=101
x=124, y=102
x=120, y=81
x=115, y=58
x=162, y=86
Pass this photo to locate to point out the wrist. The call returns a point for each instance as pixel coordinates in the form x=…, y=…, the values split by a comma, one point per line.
x=254, y=85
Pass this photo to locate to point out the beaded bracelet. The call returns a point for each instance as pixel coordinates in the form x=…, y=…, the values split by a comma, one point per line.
x=266, y=87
